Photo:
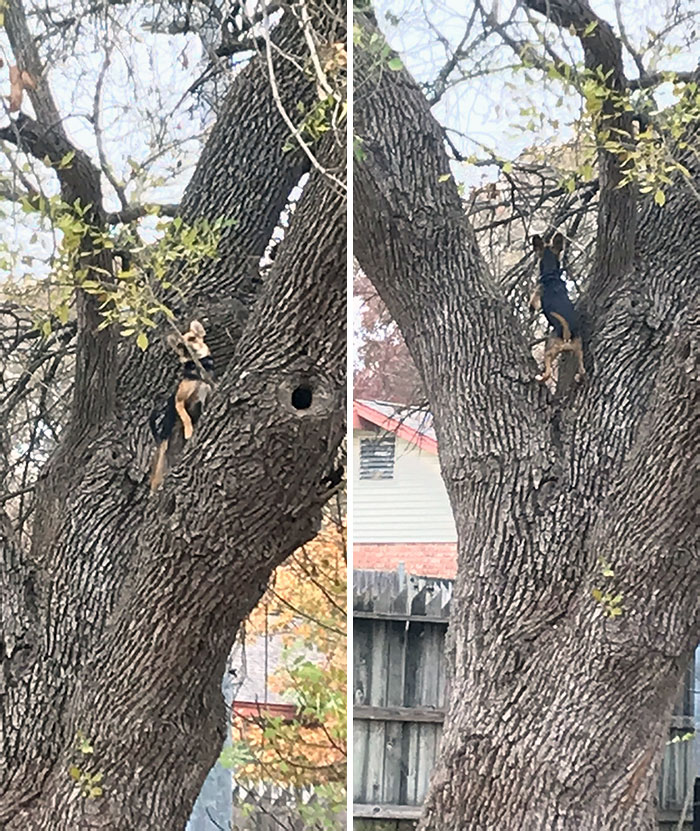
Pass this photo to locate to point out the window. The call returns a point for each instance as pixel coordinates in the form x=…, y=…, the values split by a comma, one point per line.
x=377, y=458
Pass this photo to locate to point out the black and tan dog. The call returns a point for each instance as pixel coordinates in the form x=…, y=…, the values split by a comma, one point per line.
x=552, y=298
x=188, y=399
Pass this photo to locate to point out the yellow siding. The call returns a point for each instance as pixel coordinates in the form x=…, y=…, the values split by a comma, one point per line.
x=411, y=507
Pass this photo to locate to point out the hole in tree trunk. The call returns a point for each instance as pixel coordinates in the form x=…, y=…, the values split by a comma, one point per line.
x=304, y=392
x=301, y=397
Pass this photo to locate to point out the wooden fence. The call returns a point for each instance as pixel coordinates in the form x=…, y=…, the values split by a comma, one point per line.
x=268, y=807
x=400, y=689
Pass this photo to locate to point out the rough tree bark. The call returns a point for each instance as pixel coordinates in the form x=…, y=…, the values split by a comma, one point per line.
x=558, y=714
x=117, y=623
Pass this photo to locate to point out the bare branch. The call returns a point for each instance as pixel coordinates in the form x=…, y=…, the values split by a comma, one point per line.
x=602, y=50
x=132, y=212
x=295, y=131
x=106, y=167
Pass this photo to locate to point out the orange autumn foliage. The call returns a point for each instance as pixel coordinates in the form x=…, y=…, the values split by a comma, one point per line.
x=305, y=606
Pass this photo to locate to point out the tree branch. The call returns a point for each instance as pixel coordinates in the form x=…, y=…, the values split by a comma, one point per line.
x=650, y=80
x=95, y=379
x=133, y=212
x=617, y=212
x=414, y=242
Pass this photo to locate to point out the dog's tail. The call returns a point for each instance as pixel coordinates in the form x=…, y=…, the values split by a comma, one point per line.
x=566, y=331
x=159, y=466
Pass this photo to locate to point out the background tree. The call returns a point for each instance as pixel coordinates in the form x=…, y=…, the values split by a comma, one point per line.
x=576, y=602
x=383, y=368
x=305, y=607
x=119, y=608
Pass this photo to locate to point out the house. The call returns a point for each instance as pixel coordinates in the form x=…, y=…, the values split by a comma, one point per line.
x=269, y=779
x=404, y=559
x=223, y=802
x=401, y=511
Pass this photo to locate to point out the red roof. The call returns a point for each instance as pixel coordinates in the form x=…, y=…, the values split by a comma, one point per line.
x=253, y=709
x=410, y=424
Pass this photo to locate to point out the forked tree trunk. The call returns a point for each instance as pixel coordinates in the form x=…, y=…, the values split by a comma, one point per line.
x=117, y=625
x=559, y=712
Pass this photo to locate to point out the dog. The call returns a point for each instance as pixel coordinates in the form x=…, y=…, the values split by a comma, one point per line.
x=552, y=298
x=186, y=402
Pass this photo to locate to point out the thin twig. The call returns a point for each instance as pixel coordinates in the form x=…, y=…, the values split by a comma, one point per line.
x=296, y=134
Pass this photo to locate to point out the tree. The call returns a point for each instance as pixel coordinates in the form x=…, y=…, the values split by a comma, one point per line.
x=576, y=601
x=383, y=367
x=120, y=607
x=306, y=607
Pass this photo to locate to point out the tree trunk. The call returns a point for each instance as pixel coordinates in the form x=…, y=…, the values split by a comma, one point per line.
x=117, y=625
x=559, y=709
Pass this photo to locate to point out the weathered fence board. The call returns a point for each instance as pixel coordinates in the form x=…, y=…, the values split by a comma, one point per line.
x=400, y=690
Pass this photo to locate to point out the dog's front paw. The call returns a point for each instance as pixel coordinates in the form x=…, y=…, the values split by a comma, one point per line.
x=541, y=378
x=580, y=376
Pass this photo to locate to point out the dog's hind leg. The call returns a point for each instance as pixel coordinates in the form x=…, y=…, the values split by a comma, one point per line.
x=547, y=374
x=550, y=353
x=184, y=391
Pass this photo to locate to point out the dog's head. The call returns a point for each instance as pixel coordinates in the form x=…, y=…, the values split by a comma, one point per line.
x=548, y=254
x=191, y=343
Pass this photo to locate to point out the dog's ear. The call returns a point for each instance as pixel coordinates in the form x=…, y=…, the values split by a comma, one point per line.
x=197, y=328
x=538, y=245
x=557, y=244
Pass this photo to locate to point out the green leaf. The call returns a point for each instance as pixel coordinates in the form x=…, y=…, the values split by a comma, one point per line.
x=67, y=159
x=444, y=177
x=660, y=197
x=142, y=341
x=74, y=772
x=591, y=26
x=395, y=64
x=358, y=150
